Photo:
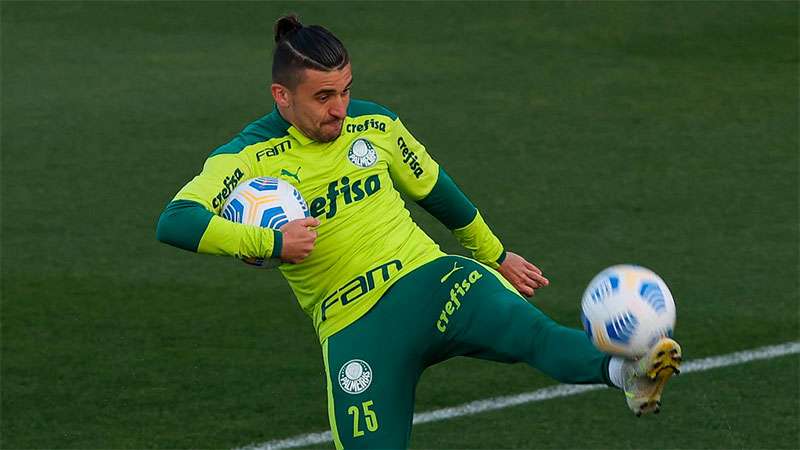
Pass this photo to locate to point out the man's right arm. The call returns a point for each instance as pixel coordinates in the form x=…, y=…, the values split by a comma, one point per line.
x=191, y=220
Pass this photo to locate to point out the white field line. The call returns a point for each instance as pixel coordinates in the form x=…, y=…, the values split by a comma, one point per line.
x=491, y=404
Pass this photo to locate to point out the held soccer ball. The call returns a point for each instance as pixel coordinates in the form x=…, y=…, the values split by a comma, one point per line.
x=265, y=202
x=626, y=309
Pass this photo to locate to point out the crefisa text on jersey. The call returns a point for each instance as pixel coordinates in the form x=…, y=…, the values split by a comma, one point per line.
x=351, y=192
x=230, y=183
x=410, y=158
x=366, y=125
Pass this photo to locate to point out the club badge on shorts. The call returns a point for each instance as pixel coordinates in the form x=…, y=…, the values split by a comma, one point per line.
x=362, y=153
x=355, y=376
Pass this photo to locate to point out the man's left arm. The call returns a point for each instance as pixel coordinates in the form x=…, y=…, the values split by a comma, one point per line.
x=417, y=175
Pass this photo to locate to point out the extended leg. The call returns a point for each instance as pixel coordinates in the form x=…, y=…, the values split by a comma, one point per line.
x=494, y=322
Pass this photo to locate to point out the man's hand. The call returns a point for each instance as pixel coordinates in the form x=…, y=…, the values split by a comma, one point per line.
x=525, y=277
x=298, y=239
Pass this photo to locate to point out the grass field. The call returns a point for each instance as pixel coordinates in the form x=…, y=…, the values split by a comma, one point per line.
x=588, y=134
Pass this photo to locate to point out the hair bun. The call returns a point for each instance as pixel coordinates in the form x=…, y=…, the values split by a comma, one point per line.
x=286, y=25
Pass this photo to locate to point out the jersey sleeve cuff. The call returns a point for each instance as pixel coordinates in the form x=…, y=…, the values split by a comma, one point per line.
x=277, y=245
x=501, y=258
x=479, y=239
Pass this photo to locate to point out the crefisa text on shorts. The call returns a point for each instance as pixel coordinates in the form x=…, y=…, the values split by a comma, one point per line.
x=457, y=292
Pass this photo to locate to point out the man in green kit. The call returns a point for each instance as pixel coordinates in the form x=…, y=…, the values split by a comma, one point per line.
x=385, y=300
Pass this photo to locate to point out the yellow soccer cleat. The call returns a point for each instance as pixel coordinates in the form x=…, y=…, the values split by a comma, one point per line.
x=644, y=379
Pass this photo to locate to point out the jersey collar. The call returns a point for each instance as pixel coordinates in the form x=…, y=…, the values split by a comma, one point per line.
x=291, y=129
x=301, y=138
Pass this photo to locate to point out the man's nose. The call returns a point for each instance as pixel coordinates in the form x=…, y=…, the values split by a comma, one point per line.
x=338, y=108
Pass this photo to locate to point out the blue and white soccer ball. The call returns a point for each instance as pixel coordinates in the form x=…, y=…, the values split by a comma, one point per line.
x=626, y=309
x=265, y=202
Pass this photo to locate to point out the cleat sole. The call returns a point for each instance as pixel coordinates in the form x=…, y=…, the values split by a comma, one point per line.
x=653, y=371
x=666, y=361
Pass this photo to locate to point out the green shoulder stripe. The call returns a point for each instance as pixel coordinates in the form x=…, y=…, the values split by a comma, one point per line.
x=268, y=127
x=365, y=108
x=448, y=203
x=183, y=223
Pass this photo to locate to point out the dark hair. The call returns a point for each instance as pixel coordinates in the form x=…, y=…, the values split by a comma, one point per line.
x=299, y=47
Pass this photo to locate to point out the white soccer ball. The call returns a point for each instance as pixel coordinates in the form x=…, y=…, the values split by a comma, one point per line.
x=626, y=309
x=265, y=202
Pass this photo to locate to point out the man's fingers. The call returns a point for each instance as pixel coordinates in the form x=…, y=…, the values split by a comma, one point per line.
x=309, y=222
x=530, y=292
x=525, y=284
x=523, y=275
x=297, y=225
x=306, y=222
x=534, y=283
x=537, y=277
x=530, y=266
x=525, y=290
x=299, y=237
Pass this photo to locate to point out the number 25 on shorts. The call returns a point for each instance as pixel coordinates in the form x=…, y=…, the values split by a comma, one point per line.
x=370, y=418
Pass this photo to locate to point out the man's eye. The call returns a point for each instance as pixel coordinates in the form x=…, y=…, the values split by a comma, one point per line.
x=322, y=98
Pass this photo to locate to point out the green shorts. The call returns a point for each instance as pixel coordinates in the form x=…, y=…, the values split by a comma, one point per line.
x=452, y=306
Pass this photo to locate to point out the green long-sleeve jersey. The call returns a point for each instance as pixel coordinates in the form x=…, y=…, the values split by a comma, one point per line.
x=366, y=238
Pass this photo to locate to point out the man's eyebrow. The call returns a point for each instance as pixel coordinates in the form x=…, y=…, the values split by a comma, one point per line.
x=332, y=91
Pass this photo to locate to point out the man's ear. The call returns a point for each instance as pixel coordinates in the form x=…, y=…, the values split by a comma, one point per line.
x=281, y=94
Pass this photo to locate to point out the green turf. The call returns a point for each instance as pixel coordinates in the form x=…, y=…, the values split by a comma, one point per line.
x=726, y=408
x=588, y=134
x=723, y=408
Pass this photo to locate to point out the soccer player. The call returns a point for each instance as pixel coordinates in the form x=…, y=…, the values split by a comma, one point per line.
x=385, y=300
